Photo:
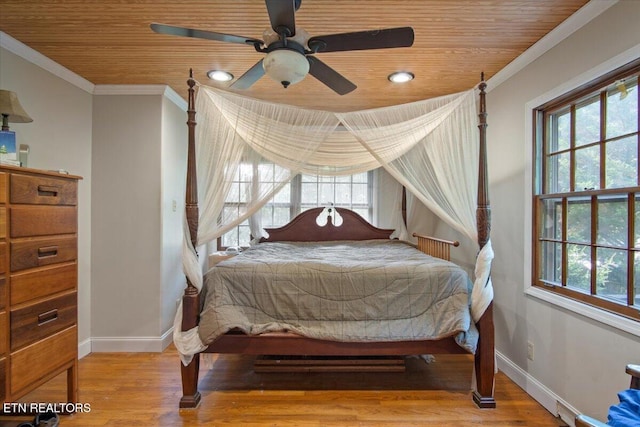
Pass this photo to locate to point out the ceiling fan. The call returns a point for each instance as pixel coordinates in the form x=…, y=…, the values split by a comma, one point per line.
x=290, y=51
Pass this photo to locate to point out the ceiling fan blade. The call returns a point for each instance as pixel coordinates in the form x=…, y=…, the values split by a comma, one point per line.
x=201, y=34
x=251, y=76
x=282, y=15
x=375, y=39
x=329, y=76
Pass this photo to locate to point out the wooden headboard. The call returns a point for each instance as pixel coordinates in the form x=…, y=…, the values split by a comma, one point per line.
x=305, y=228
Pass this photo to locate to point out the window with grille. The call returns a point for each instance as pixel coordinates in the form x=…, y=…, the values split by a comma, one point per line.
x=587, y=194
x=304, y=192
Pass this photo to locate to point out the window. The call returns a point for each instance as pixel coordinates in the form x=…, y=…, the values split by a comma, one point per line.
x=304, y=192
x=587, y=194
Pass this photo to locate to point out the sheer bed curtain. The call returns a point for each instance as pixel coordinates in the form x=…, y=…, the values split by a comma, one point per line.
x=430, y=147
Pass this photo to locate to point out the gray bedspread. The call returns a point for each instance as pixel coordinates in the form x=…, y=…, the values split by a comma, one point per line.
x=342, y=291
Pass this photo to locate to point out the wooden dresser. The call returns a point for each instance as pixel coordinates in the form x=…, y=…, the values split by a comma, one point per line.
x=38, y=280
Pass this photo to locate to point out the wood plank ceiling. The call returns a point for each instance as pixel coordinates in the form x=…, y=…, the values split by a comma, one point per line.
x=109, y=42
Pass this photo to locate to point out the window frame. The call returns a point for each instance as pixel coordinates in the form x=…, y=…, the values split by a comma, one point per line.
x=296, y=206
x=585, y=93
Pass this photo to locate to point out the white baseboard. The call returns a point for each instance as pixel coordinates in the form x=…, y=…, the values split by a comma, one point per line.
x=538, y=391
x=167, y=338
x=84, y=348
x=131, y=344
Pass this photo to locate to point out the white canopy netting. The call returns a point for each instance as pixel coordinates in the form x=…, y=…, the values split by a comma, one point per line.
x=430, y=147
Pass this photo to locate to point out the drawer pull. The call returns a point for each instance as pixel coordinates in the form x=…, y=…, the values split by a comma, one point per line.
x=47, y=251
x=48, y=190
x=47, y=317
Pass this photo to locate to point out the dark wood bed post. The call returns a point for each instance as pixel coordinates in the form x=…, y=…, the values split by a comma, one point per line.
x=190, y=300
x=485, y=353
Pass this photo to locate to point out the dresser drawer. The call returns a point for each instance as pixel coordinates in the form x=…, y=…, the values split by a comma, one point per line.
x=41, y=252
x=3, y=379
x=32, y=363
x=30, y=285
x=27, y=221
x=3, y=258
x=3, y=293
x=3, y=341
x=3, y=187
x=3, y=222
x=41, y=190
x=36, y=321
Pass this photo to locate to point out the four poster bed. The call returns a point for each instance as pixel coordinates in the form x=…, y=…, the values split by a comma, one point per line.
x=243, y=319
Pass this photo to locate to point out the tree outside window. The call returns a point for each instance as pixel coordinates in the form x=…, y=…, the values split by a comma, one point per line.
x=587, y=194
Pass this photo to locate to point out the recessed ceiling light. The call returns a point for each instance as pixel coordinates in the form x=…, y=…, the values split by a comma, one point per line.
x=220, y=76
x=401, y=77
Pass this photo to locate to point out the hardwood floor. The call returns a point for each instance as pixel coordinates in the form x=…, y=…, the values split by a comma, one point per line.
x=128, y=389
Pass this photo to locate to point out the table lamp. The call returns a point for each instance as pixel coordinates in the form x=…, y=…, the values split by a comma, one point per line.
x=13, y=112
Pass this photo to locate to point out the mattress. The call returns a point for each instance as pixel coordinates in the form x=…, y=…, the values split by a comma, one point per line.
x=361, y=291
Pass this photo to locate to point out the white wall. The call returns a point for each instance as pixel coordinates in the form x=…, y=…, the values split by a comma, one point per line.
x=126, y=226
x=577, y=360
x=174, y=172
x=59, y=138
x=138, y=190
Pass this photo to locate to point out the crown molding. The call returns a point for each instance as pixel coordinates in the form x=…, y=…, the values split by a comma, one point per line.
x=25, y=52
x=163, y=90
x=174, y=97
x=573, y=23
x=36, y=58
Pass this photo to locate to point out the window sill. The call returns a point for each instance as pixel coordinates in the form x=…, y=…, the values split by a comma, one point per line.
x=627, y=325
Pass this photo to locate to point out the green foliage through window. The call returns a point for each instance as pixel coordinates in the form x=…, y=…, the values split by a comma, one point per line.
x=587, y=215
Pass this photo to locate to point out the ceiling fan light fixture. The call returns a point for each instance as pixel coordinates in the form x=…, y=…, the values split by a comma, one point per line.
x=286, y=66
x=401, y=77
x=220, y=76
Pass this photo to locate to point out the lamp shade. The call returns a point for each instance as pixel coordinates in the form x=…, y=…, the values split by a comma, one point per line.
x=286, y=66
x=11, y=109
